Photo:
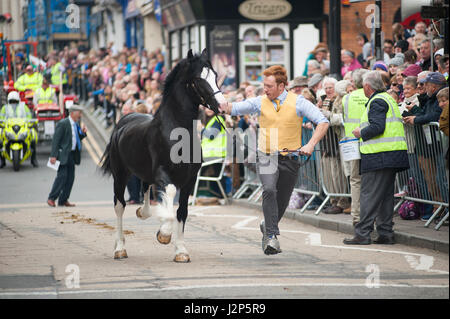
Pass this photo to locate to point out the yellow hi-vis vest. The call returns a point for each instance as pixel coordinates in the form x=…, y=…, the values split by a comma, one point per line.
x=393, y=137
x=217, y=147
x=55, y=71
x=279, y=129
x=45, y=96
x=27, y=82
x=354, y=106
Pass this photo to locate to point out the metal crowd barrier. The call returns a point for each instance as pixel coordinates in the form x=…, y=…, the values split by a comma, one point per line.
x=426, y=180
x=309, y=174
x=325, y=171
x=334, y=182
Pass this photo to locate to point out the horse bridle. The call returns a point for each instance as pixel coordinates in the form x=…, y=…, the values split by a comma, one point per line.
x=193, y=85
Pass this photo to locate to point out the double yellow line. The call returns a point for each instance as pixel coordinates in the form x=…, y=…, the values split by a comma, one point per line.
x=93, y=149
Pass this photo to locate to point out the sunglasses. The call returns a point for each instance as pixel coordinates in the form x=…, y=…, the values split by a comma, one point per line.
x=420, y=84
x=394, y=84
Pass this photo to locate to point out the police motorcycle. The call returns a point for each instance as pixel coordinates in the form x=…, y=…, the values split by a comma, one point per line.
x=18, y=134
x=18, y=137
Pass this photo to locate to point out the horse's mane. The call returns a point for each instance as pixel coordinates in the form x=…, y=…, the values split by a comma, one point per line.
x=172, y=77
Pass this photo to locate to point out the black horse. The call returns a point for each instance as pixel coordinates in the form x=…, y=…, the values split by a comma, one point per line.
x=144, y=147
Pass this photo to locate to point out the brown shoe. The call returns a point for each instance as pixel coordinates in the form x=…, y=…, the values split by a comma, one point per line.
x=348, y=210
x=67, y=204
x=51, y=203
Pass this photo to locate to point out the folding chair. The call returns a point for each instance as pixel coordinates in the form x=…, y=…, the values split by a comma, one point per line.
x=215, y=179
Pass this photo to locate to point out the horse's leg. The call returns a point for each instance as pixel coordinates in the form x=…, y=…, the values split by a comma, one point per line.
x=144, y=212
x=119, y=207
x=166, y=214
x=181, y=253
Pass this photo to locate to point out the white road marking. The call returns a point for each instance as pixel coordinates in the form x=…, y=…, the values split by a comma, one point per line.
x=178, y=288
x=415, y=260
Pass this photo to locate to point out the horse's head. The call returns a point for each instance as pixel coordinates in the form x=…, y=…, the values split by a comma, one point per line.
x=203, y=81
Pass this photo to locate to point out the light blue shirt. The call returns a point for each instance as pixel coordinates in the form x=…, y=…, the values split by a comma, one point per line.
x=303, y=107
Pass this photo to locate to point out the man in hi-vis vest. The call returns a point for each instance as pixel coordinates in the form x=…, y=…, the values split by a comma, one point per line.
x=280, y=119
x=354, y=106
x=383, y=154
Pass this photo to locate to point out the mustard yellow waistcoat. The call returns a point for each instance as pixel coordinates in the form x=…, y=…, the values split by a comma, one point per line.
x=282, y=129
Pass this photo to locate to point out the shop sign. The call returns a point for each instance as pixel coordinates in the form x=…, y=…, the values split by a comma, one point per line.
x=265, y=10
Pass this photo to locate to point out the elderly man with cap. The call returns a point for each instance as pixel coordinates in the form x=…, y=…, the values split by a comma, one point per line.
x=383, y=153
x=66, y=148
x=434, y=82
x=298, y=84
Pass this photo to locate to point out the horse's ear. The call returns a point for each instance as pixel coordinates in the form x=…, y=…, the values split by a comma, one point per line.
x=204, y=54
x=190, y=55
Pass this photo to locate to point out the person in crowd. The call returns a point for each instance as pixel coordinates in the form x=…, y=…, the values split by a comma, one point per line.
x=298, y=84
x=58, y=73
x=45, y=94
x=411, y=70
x=366, y=47
x=388, y=49
x=411, y=96
x=30, y=80
x=425, y=56
x=442, y=98
x=349, y=62
x=313, y=67
x=332, y=168
x=383, y=153
x=380, y=66
x=281, y=110
x=429, y=112
x=66, y=148
x=398, y=32
x=401, y=46
x=311, y=56
x=443, y=66
x=315, y=85
x=353, y=108
x=410, y=57
x=395, y=62
x=420, y=28
x=320, y=55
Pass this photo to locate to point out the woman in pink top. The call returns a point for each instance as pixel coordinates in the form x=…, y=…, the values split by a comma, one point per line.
x=349, y=62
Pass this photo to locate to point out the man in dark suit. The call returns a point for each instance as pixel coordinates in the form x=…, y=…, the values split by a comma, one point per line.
x=66, y=147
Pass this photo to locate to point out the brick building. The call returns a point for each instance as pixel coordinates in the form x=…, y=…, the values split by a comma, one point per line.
x=354, y=17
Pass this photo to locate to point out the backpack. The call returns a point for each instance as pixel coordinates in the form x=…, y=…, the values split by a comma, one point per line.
x=411, y=210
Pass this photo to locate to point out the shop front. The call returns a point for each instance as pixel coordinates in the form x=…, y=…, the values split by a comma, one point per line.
x=243, y=37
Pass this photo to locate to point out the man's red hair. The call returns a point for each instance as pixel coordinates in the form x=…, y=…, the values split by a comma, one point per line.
x=278, y=72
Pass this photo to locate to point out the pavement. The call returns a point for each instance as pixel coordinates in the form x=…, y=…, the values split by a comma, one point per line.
x=407, y=232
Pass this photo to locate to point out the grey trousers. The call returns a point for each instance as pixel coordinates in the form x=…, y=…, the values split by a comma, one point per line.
x=278, y=177
x=377, y=203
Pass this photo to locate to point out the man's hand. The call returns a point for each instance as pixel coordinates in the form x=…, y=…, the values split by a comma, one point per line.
x=409, y=119
x=83, y=128
x=225, y=108
x=357, y=132
x=307, y=150
x=53, y=160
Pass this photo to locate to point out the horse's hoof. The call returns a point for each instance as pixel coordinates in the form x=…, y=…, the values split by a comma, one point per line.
x=139, y=213
x=182, y=258
x=120, y=254
x=163, y=239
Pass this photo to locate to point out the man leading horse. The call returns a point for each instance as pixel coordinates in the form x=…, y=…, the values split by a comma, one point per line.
x=279, y=145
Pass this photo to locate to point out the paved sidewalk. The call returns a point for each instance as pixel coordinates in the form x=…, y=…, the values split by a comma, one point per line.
x=408, y=232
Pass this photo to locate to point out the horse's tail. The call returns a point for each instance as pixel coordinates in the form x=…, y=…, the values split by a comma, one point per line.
x=105, y=161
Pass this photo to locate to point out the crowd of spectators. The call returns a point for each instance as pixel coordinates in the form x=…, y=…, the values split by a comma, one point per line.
x=127, y=81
